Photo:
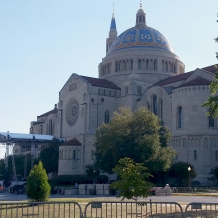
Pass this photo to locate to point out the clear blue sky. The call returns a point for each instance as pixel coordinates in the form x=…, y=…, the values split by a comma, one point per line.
x=43, y=42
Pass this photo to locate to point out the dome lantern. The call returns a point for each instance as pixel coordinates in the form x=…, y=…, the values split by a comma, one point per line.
x=141, y=17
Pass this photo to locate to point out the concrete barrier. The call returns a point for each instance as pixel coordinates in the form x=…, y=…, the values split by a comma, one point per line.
x=99, y=189
x=82, y=189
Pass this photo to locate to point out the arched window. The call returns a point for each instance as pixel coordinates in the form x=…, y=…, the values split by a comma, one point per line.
x=106, y=116
x=50, y=129
x=180, y=117
x=155, y=64
x=131, y=64
x=140, y=18
x=211, y=120
x=139, y=64
x=116, y=67
x=147, y=62
x=195, y=155
x=70, y=154
x=143, y=19
x=147, y=105
x=65, y=155
x=154, y=104
x=74, y=154
x=119, y=66
x=160, y=109
x=166, y=66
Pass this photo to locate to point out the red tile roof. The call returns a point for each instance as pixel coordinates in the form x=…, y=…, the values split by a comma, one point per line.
x=211, y=68
x=101, y=82
x=183, y=76
x=54, y=111
x=174, y=79
x=196, y=81
x=72, y=142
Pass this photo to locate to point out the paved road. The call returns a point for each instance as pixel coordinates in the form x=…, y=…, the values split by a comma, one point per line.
x=180, y=199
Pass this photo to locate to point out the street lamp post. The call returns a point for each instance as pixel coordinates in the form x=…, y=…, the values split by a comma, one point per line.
x=189, y=169
x=94, y=101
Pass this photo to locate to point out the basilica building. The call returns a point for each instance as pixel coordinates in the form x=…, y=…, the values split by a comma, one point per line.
x=140, y=69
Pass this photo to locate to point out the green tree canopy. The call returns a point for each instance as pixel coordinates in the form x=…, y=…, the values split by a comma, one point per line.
x=131, y=182
x=214, y=177
x=212, y=101
x=135, y=135
x=50, y=155
x=179, y=171
x=38, y=188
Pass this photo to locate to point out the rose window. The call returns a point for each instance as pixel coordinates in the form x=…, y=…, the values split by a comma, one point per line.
x=72, y=112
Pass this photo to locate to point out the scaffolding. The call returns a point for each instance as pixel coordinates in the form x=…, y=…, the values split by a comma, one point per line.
x=30, y=140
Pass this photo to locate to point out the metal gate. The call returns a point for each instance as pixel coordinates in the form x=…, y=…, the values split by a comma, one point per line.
x=40, y=210
x=132, y=209
x=209, y=210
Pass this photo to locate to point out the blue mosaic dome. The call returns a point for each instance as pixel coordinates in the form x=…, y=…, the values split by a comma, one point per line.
x=142, y=38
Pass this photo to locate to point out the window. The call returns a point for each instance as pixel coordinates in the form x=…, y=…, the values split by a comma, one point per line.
x=154, y=104
x=155, y=64
x=139, y=64
x=211, y=120
x=195, y=155
x=74, y=154
x=180, y=117
x=216, y=155
x=139, y=90
x=147, y=64
x=147, y=105
x=131, y=64
x=126, y=90
x=50, y=128
x=106, y=116
x=160, y=109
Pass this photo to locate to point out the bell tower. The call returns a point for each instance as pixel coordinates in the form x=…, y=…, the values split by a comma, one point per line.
x=112, y=33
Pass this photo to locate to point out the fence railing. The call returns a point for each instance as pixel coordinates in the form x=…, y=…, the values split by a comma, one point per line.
x=195, y=190
x=40, y=210
x=132, y=209
x=201, y=210
x=99, y=209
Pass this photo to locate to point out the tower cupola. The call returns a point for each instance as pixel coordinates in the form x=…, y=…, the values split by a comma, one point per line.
x=141, y=17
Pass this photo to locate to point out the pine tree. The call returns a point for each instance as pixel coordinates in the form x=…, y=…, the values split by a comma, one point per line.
x=38, y=188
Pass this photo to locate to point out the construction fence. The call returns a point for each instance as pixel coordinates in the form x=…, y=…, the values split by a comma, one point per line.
x=107, y=210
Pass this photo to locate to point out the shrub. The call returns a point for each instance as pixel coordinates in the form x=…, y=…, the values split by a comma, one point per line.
x=38, y=188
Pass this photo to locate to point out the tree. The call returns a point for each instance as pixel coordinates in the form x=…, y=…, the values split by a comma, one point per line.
x=19, y=164
x=135, y=135
x=38, y=188
x=92, y=172
x=214, y=178
x=50, y=155
x=131, y=182
x=212, y=101
x=179, y=171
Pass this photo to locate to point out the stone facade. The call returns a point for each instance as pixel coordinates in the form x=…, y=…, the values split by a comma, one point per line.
x=140, y=69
